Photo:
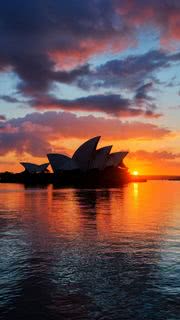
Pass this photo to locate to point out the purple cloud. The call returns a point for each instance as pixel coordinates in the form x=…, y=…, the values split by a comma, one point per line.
x=111, y=104
x=39, y=39
x=2, y=117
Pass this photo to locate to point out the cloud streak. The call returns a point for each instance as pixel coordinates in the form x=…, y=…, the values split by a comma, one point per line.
x=130, y=73
x=111, y=104
x=154, y=155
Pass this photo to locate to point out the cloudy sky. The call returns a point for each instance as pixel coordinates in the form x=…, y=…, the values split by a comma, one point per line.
x=73, y=69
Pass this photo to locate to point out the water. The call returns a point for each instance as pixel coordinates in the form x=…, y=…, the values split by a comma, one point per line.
x=90, y=254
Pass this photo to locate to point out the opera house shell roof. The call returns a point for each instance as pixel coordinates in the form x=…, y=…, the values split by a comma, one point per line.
x=87, y=157
x=101, y=157
x=85, y=154
x=115, y=159
x=34, y=168
x=61, y=162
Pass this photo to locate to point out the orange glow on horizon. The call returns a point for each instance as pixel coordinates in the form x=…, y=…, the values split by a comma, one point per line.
x=135, y=173
x=151, y=165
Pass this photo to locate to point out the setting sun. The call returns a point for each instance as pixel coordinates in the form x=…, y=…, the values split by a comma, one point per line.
x=135, y=173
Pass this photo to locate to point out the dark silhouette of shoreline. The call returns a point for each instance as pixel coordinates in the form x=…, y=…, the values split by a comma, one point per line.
x=109, y=177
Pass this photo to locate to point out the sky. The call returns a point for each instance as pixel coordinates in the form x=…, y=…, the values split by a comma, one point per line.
x=71, y=70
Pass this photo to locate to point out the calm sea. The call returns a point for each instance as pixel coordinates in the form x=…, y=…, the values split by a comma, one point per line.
x=90, y=254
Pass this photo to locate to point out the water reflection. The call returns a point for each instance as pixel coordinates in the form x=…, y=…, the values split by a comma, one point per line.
x=90, y=254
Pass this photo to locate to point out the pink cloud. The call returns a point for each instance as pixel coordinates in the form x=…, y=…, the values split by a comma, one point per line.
x=36, y=132
x=154, y=155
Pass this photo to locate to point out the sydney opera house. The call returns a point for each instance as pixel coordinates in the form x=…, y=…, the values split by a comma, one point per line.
x=87, y=163
x=85, y=158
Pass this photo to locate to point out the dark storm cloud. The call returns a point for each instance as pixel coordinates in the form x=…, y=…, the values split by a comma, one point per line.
x=128, y=73
x=72, y=75
x=2, y=117
x=142, y=92
x=32, y=31
x=9, y=99
x=36, y=36
x=111, y=104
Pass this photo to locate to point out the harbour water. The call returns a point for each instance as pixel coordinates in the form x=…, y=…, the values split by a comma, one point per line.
x=90, y=254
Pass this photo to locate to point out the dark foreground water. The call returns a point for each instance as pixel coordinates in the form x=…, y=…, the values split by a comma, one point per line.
x=90, y=254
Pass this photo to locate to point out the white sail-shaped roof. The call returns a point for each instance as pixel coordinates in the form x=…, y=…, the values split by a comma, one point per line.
x=101, y=157
x=84, y=155
x=61, y=162
x=115, y=159
x=34, y=168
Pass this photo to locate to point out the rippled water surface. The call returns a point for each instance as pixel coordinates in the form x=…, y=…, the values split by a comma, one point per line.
x=90, y=254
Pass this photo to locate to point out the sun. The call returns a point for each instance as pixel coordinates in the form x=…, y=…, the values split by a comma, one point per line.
x=135, y=173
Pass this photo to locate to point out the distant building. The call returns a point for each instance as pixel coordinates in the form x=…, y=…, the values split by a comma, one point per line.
x=101, y=158
x=34, y=168
x=86, y=153
x=115, y=159
x=87, y=157
x=60, y=162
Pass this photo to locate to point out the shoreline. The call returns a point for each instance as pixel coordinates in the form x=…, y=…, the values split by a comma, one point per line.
x=93, y=178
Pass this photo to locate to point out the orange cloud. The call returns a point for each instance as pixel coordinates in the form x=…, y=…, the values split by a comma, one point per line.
x=154, y=162
x=37, y=134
